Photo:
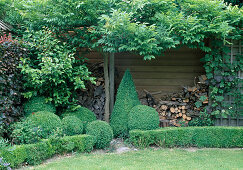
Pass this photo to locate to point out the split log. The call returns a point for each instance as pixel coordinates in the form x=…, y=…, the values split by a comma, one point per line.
x=170, y=103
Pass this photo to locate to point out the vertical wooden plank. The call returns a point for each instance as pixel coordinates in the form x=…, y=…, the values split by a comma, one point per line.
x=107, y=93
x=112, y=86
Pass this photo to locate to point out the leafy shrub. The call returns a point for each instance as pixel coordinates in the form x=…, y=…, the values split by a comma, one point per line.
x=84, y=114
x=52, y=70
x=72, y=125
x=14, y=155
x=102, y=132
x=204, y=119
x=80, y=143
x=25, y=132
x=34, y=154
x=10, y=81
x=38, y=152
x=143, y=117
x=4, y=143
x=37, y=126
x=221, y=137
x=126, y=99
x=37, y=104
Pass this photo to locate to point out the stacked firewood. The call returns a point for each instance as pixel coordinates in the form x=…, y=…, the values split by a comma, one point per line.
x=179, y=108
x=93, y=97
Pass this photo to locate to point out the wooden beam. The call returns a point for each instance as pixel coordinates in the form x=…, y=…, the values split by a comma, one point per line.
x=112, y=86
x=107, y=93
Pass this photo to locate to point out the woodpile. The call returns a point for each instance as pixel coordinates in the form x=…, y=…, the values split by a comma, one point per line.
x=179, y=108
x=93, y=97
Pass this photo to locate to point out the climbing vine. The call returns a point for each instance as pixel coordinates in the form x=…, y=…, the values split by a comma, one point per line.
x=222, y=73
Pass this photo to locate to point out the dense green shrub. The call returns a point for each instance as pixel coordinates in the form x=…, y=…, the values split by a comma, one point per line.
x=34, y=154
x=52, y=69
x=79, y=143
x=72, y=125
x=84, y=114
x=143, y=117
x=14, y=155
x=25, y=132
x=101, y=131
x=4, y=143
x=221, y=137
x=38, y=152
x=37, y=104
x=37, y=126
x=10, y=81
x=126, y=99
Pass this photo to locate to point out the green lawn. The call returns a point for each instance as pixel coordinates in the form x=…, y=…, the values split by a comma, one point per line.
x=153, y=159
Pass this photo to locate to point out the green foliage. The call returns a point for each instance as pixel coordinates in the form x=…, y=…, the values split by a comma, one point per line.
x=25, y=132
x=38, y=152
x=223, y=79
x=14, y=155
x=126, y=99
x=59, y=16
x=204, y=119
x=80, y=143
x=4, y=143
x=72, y=125
x=10, y=81
x=37, y=104
x=220, y=137
x=235, y=2
x=4, y=8
x=34, y=154
x=120, y=33
x=82, y=113
x=145, y=27
x=143, y=118
x=102, y=132
x=52, y=70
x=37, y=126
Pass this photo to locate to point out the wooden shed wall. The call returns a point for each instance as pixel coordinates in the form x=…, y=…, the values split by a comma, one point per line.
x=167, y=73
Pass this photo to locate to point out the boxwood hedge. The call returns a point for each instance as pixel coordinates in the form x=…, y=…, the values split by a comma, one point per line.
x=220, y=137
x=33, y=154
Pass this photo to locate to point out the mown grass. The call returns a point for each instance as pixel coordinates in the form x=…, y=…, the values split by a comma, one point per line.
x=153, y=159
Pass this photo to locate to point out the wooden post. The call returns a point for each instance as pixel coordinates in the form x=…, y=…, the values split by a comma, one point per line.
x=112, y=73
x=107, y=93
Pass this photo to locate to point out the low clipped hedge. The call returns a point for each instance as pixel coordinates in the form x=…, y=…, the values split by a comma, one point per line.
x=219, y=137
x=34, y=154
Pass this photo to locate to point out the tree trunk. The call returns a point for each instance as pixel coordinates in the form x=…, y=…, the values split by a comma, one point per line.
x=112, y=70
x=107, y=93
